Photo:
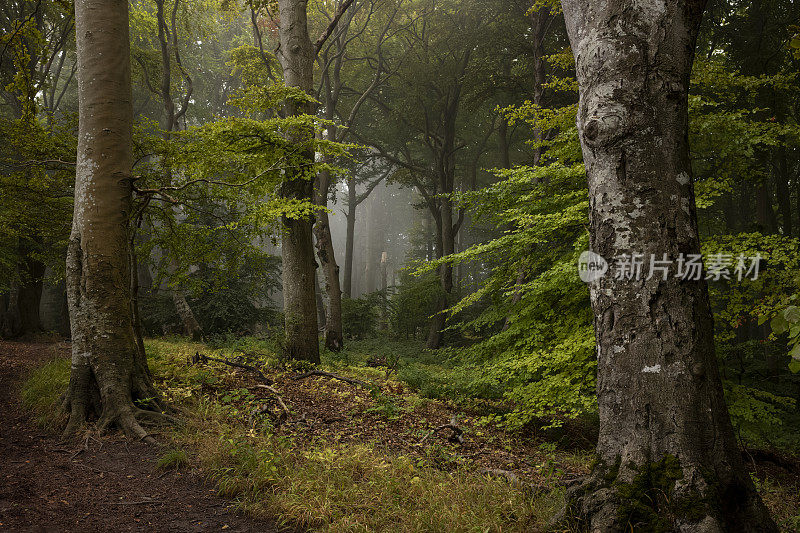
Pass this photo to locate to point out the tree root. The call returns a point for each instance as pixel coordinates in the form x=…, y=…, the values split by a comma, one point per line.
x=662, y=496
x=330, y=375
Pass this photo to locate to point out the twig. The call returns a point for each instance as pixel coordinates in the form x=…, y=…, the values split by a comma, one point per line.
x=330, y=375
x=200, y=358
x=140, y=502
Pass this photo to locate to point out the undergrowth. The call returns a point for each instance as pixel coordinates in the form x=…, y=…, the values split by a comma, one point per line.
x=324, y=483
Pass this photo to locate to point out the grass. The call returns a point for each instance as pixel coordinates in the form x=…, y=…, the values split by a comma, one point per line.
x=42, y=391
x=326, y=480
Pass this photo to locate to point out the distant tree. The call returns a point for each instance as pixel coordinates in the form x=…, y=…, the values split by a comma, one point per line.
x=667, y=456
x=110, y=377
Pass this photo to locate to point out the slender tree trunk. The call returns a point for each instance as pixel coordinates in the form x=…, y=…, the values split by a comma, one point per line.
x=191, y=327
x=446, y=246
x=797, y=199
x=109, y=371
x=30, y=295
x=296, y=55
x=319, y=301
x=502, y=143
x=765, y=215
x=4, y=326
x=666, y=454
x=327, y=258
x=352, y=204
x=784, y=197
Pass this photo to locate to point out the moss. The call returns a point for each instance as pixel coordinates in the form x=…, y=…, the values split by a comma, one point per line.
x=646, y=502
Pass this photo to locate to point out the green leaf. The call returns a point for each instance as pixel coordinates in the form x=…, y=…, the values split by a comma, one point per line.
x=795, y=353
x=794, y=366
x=779, y=325
x=792, y=314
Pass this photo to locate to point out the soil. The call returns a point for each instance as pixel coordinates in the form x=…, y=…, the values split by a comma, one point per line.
x=107, y=484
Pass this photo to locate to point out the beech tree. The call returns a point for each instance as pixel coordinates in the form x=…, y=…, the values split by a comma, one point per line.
x=109, y=369
x=296, y=54
x=667, y=456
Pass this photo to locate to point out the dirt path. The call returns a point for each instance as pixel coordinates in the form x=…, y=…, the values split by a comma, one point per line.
x=111, y=487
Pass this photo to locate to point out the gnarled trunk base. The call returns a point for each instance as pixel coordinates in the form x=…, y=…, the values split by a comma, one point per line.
x=667, y=495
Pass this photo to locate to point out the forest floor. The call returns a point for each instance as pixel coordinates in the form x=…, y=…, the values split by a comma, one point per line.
x=107, y=484
x=365, y=453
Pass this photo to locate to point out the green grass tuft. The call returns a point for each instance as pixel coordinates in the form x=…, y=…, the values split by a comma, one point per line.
x=172, y=460
x=43, y=390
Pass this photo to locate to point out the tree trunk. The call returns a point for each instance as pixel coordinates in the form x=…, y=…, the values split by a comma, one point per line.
x=320, y=302
x=666, y=454
x=333, y=311
x=30, y=296
x=109, y=371
x=352, y=203
x=191, y=327
x=784, y=197
x=445, y=246
x=296, y=55
x=765, y=215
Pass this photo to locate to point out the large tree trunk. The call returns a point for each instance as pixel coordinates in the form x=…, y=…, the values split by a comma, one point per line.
x=109, y=370
x=296, y=54
x=667, y=458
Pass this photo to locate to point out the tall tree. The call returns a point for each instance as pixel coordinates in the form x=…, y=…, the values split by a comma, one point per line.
x=296, y=54
x=109, y=369
x=667, y=456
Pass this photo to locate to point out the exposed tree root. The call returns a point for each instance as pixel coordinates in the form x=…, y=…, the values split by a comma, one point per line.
x=662, y=496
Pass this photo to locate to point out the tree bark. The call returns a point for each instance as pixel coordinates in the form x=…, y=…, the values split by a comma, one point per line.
x=30, y=295
x=666, y=455
x=352, y=203
x=109, y=371
x=296, y=55
x=333, y=291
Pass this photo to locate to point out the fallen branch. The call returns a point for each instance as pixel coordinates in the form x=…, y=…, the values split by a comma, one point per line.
x=324, y=374
x=456, y=436
x=277, y=397
x=200, y=358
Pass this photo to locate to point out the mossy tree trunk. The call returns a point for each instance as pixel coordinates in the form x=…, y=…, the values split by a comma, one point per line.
x=296, y=55
x=109, y=371
x=667, y=457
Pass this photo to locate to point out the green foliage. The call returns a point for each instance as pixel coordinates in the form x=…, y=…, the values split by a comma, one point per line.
x=360, y=316
x=414, y=302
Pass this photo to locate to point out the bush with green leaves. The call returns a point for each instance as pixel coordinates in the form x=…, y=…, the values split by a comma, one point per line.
x=414, y=302
x=360, y=316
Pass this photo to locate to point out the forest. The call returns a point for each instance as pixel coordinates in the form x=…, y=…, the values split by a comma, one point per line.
x=400, y=265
